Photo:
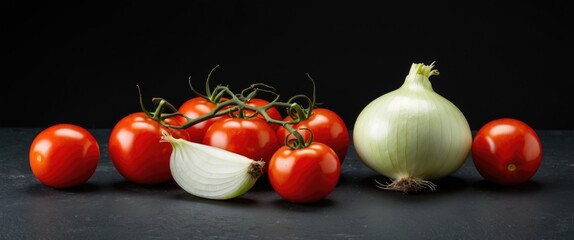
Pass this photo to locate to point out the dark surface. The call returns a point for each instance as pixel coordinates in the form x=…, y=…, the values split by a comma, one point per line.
x=464, y=206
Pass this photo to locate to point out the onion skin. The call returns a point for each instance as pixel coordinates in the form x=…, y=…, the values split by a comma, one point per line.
x=412, y=135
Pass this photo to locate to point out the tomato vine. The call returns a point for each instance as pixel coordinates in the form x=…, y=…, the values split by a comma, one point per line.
x=230, y=103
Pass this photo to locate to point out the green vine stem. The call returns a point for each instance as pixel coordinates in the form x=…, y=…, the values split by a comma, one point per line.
x=235, y=104
x=303, y=113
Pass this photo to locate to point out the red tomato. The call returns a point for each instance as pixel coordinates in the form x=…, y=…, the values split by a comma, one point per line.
x=137, y=152
x=194, y=108
x=304, y=175
x=64, y=155
x=327, y=127
x=250, y=137
x=506, y=151
x=272, y=111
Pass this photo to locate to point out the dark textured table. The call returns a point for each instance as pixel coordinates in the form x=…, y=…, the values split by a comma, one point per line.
x=464, y=206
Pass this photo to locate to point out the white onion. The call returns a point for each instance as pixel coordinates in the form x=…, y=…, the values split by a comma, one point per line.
x=412, y=135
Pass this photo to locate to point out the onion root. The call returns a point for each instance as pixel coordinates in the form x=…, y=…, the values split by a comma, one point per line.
x=408, y=184
x=256, y=169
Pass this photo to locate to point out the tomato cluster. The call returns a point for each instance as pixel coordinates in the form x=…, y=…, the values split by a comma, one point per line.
x=303, y=175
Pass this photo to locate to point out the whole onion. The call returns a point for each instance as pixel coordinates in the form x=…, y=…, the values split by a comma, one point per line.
x=412, y=135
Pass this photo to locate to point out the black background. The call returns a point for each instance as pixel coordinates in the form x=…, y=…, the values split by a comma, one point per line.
x=80, y=62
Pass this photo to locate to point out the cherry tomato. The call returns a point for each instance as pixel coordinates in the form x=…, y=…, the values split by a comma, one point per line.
x=196, y=107
x=327, y=127
x=250, y=137
x=137, y=152
x=272, y=111
x=64, y=155
x=304, y=175
x=506, y=151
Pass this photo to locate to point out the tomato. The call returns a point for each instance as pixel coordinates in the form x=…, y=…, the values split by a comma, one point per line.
x=506, y=151
x=272, y=111
x=304, y=175
x=250, y=137
x=137, y=152
x=194, y=108
x=327, y=127
x=64, y=155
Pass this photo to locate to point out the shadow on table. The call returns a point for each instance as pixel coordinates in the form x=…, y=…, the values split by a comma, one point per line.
x=304, y=207
x=262, y=185
x=451, y=185
x=242, y=201
x=444, y=186
x=41, y=189
x=128, y=186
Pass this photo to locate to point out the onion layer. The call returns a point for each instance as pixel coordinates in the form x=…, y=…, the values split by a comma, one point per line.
x=412, y=135
x=210, y=172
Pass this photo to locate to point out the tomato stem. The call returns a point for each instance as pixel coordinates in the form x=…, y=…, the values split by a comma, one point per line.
x=298, y=142
x=304, y=113
x=235, y=104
